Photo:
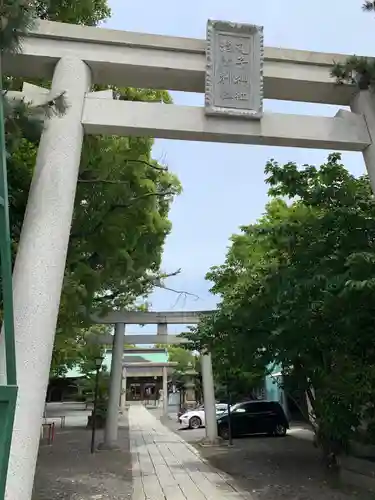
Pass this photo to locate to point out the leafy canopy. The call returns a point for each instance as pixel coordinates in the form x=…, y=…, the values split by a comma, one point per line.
x=123, y=196
x=297, y=288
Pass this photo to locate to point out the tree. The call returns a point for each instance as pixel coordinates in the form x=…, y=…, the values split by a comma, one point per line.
x=297, y=289
x=79, y=350
x=184, y=358
x=187, y=361
x=87, y=12
x=120, y=219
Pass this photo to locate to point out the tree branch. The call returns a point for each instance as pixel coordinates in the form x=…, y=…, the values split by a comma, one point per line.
x=180, y=292
x=156, y=281
x=101, y=181
x=110, y=296
x=119, y=206
x=143, y=162
x=148, y=164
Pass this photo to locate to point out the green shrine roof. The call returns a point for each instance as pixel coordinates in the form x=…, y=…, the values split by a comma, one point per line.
x=135, y=355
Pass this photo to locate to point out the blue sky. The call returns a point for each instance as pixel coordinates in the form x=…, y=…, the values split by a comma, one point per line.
x=224, y=184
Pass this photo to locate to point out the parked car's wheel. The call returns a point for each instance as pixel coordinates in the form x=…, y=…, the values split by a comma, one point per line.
x=280, y=430
x=223, y=432
x=195, y=423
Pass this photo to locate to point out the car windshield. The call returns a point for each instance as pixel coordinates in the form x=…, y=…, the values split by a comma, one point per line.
x=233, y=408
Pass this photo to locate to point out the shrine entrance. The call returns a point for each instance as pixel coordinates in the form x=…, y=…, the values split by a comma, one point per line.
x=234, y=70
x=130, y=381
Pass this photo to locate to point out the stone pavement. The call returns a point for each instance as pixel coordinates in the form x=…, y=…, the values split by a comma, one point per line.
x=165, y=467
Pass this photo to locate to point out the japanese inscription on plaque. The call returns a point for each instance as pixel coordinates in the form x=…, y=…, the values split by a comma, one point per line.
x=234, y=73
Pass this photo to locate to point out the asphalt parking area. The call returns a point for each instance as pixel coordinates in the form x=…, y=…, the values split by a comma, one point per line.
x=288, y=468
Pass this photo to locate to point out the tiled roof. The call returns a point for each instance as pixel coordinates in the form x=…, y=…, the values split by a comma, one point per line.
x=146, y=356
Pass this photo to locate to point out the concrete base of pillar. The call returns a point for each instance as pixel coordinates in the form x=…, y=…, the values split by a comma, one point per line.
x=205, y=443
x=108, y=446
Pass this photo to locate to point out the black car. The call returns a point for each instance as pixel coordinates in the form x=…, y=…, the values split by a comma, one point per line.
x=254, y=417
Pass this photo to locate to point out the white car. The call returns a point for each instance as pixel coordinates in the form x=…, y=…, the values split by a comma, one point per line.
x=193, y=419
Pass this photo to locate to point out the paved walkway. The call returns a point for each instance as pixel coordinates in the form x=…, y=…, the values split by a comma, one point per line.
x=165, y=467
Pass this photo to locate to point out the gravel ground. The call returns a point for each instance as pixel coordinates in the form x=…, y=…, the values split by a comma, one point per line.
x=269, y=468
x=67, y=471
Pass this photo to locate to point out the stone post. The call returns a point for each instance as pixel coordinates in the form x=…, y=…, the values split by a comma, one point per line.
x=189, y=387
x=364, y=103
x=162, y=329
x=39, y=268
x=165, y=391
x=111, y=425
x=123, y=391
x=209, y=398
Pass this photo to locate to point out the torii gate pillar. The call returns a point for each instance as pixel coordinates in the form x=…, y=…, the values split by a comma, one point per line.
x=364, y=104
x=39, y=268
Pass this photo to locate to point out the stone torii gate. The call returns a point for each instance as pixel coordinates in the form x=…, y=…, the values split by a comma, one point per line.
x=162, y=319
x=233, y=69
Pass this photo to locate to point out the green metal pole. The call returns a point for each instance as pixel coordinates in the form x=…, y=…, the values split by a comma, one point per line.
x=8, y=392
x=5, y=251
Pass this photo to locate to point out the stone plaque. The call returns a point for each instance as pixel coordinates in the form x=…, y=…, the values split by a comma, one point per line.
x=234, y=71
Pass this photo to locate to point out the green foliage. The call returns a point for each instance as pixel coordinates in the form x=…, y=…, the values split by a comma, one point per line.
x=359, y=71
x=184, y=358
x=87, y=12
x=123, y=197
x=87, y=386
x=16, y=17
x=21, y=121
x=120, y=222
x=355, y=70
x=297, y=288
x=188, y=366
x=78, y=350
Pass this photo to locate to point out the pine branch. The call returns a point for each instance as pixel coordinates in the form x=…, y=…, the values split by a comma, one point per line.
x=17, y=17
x=24, y=120
x=359, y=71
x=55, y=106
x=368, y=6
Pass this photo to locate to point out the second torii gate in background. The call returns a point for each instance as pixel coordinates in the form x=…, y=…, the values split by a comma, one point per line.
x=122, y=318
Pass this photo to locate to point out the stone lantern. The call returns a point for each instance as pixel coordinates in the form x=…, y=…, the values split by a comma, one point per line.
x=189, y=386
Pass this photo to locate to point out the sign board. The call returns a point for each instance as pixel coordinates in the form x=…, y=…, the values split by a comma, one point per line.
x=234, y=70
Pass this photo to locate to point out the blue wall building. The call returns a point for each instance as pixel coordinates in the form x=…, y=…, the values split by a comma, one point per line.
x=273, y=386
